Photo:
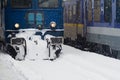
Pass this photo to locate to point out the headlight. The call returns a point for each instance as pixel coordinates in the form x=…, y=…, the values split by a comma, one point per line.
x=39, y=26
x=53, y=24
x=17, y=25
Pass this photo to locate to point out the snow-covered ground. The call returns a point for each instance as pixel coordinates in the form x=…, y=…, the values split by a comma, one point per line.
x=73, y=64
x=8, y=70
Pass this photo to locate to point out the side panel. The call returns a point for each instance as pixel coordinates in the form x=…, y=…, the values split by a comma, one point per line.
x=104, y=35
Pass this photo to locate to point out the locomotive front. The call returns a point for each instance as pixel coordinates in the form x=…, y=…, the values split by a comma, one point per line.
x=34, y=17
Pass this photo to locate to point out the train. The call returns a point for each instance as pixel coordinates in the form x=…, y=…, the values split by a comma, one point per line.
x=34, y=17
x=90, y=25
x=94, y=26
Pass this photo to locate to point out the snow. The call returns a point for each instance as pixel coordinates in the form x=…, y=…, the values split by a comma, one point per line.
x=8, y=70
x=73, y=64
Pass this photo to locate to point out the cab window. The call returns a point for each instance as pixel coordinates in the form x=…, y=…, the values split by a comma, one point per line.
x=21, y=3
x=48, y=3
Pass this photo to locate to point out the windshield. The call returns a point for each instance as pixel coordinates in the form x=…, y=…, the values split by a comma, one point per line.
x=48, y=3
x=21, y=3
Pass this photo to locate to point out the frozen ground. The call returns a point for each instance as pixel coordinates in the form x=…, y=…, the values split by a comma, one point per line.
x=8, y=70
x=73, y=64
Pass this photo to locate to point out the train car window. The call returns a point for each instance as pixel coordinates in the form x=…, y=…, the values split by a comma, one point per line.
x=65, y=14
x=70, y=12
x=97, y=10
x=118, y=11
x=48, y=3
x=108, y=10
x=74, y=9
x=89, y=10
x=21, y=3
x=78, y=11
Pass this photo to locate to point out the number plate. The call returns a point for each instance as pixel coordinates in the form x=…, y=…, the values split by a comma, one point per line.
x=56, y=40
x=17, y=40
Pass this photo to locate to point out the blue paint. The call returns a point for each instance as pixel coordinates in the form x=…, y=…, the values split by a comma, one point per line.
x=113, y=1
x=34, y=16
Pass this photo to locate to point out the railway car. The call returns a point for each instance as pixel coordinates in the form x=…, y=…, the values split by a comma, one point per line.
x=101, y=25
x=38, y=17
x=73, y=18
x=74, y=30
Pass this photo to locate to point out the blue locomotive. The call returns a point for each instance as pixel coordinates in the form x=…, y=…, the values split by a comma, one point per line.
x=38, y=14
x=37, y=18
x=101, y=25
